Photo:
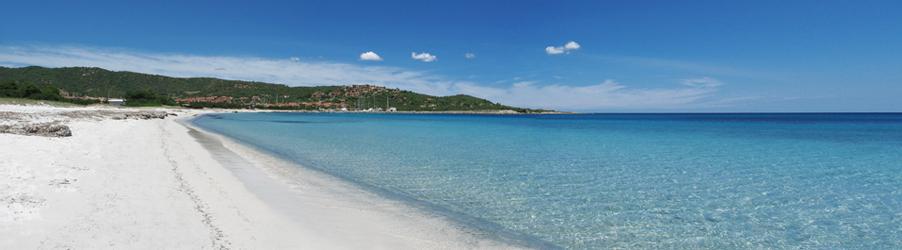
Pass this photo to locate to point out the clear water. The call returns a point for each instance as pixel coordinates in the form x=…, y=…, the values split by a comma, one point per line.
x=625, y=180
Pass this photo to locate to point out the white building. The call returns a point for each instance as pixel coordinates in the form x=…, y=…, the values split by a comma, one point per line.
x=116, y=101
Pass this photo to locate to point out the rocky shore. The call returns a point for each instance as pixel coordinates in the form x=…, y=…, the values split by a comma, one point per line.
x=53, y=122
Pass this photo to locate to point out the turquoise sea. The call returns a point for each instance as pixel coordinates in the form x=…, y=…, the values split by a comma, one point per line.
x=617, y=180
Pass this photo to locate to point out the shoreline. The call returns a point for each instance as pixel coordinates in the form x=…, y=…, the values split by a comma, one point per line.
x=285, y=170
x=449, y=112
x=155, y=184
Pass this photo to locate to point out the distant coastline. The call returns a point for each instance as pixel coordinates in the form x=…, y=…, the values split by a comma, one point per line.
x=462, y=112
x=85, y=85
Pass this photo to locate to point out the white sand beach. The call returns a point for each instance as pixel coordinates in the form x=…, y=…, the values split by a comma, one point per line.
x=122, y=183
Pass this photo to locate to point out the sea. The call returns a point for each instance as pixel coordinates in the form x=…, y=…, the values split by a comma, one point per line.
x=598, y=181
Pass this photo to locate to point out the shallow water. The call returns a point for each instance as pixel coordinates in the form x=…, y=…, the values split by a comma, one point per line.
x=624, y=180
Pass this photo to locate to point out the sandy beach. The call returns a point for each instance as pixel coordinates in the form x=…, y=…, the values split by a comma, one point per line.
x=123, y=181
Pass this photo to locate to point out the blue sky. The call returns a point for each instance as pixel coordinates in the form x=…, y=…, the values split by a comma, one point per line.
x=705, y=56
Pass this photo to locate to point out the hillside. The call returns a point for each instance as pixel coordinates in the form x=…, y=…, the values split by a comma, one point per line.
x=97, y=83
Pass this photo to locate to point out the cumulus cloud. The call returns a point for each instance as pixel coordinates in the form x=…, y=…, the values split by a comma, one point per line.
x=370, y=56
x=571, y=45
x=470, y=56
x=424, y=57
x=608, y=94
x=295, y=59
x=567, y=48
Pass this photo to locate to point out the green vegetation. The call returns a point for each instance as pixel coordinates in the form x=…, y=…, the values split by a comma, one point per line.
x=27, y=90
x=146, y=98
x=151, y=90
x=14, y=89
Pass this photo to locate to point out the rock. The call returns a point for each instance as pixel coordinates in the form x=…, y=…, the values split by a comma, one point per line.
x=146, y=115
x=39, y=129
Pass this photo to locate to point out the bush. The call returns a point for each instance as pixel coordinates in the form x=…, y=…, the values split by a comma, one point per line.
x=143, y=98
x=9, y=89
x=14, y=89
x=30, y=91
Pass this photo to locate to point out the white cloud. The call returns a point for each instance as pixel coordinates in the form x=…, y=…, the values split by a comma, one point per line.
x=551, y=50
x=567, y=48
x=571, y=45
x=424, y=57
x=370, y=56
x=470, y=56
x=703, y=82
x=605, y=95
x=295, y=59
x=608, y=94
x=670, y=64
x=284, y=71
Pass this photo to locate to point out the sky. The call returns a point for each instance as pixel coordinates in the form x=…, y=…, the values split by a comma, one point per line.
x=586, y=56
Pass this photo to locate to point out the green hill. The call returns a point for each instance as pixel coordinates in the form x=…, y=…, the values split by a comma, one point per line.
x=82, y=83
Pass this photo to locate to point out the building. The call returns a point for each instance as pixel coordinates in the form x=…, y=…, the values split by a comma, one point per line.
x=116, y=101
